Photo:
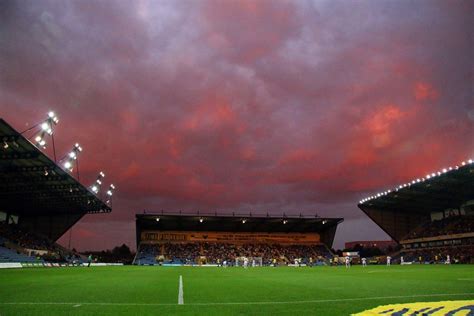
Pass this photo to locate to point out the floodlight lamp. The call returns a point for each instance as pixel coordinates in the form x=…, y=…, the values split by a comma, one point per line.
x=285, y=221
x=72, y=155
x=5, y=145
x=201, y=220
x=95, y=189
x=45, y=126
x=67, y=165
x=109, y=193
x=444, y=170
x=112, y=187
x=470, y=161
x=157, y=219
x=244, y=221
x=102, y=174
x=98, y=182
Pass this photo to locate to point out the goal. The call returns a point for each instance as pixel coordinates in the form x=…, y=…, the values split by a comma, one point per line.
x=252, y=261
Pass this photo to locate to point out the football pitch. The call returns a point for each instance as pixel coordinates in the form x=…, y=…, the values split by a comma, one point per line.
x=135, y=290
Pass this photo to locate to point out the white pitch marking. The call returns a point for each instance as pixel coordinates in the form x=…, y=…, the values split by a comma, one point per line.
x=246, y=303
x=180, y=291
x=77, y=305
x=471, y=279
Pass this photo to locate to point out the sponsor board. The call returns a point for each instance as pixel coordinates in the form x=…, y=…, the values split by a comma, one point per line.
x=9, y=265
x=445, y=308
x=229, y=237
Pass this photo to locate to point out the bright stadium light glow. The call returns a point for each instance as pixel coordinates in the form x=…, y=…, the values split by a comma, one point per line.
x=111, y=189
x=201, y=220
x=46, y=127
x=71, y=157
x=95, y=189
x=428, y=176
x=285, y=221
x=157, y=219
x=244, y=221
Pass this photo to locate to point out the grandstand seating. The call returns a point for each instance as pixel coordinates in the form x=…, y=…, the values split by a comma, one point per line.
x=15, y=243
x=445, y=239
x=8, y=255
x=188, y=253
x=447, y=226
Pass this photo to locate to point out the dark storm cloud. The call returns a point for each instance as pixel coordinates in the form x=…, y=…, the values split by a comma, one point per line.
x=278, y=106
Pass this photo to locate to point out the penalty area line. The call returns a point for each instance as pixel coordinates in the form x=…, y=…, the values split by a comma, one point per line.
x=247, y=303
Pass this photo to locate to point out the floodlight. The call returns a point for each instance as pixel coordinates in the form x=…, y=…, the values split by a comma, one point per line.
x=67, y=165
x=157, y=219
x=244, y=221
x=201, y=220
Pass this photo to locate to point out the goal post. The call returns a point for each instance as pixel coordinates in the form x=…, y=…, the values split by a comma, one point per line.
x=251, y=261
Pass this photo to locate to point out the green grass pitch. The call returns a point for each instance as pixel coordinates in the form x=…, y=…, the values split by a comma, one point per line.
x=132, y=290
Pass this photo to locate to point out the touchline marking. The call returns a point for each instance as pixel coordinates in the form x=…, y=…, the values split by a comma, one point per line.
x=471, y=279
x=244, y=303
x=180, y=291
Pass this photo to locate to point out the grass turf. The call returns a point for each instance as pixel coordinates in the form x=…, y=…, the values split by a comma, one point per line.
x=132, y=290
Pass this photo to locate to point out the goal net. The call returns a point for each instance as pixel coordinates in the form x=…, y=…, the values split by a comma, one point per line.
x=251, y=261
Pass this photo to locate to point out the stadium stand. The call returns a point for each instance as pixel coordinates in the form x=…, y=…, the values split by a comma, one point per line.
x=432, y=218
x=434, y=240
x=447, y=226
x=188, y=253
x=191, y=239
x=39, y=201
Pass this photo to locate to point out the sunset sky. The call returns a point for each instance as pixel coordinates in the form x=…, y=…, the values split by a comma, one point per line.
x=243, y=106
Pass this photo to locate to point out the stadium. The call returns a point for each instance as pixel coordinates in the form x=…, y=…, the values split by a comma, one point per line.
x=236, y=157
x=208, y=263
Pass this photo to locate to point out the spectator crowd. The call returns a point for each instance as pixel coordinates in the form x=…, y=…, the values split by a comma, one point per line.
x=215, y=253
